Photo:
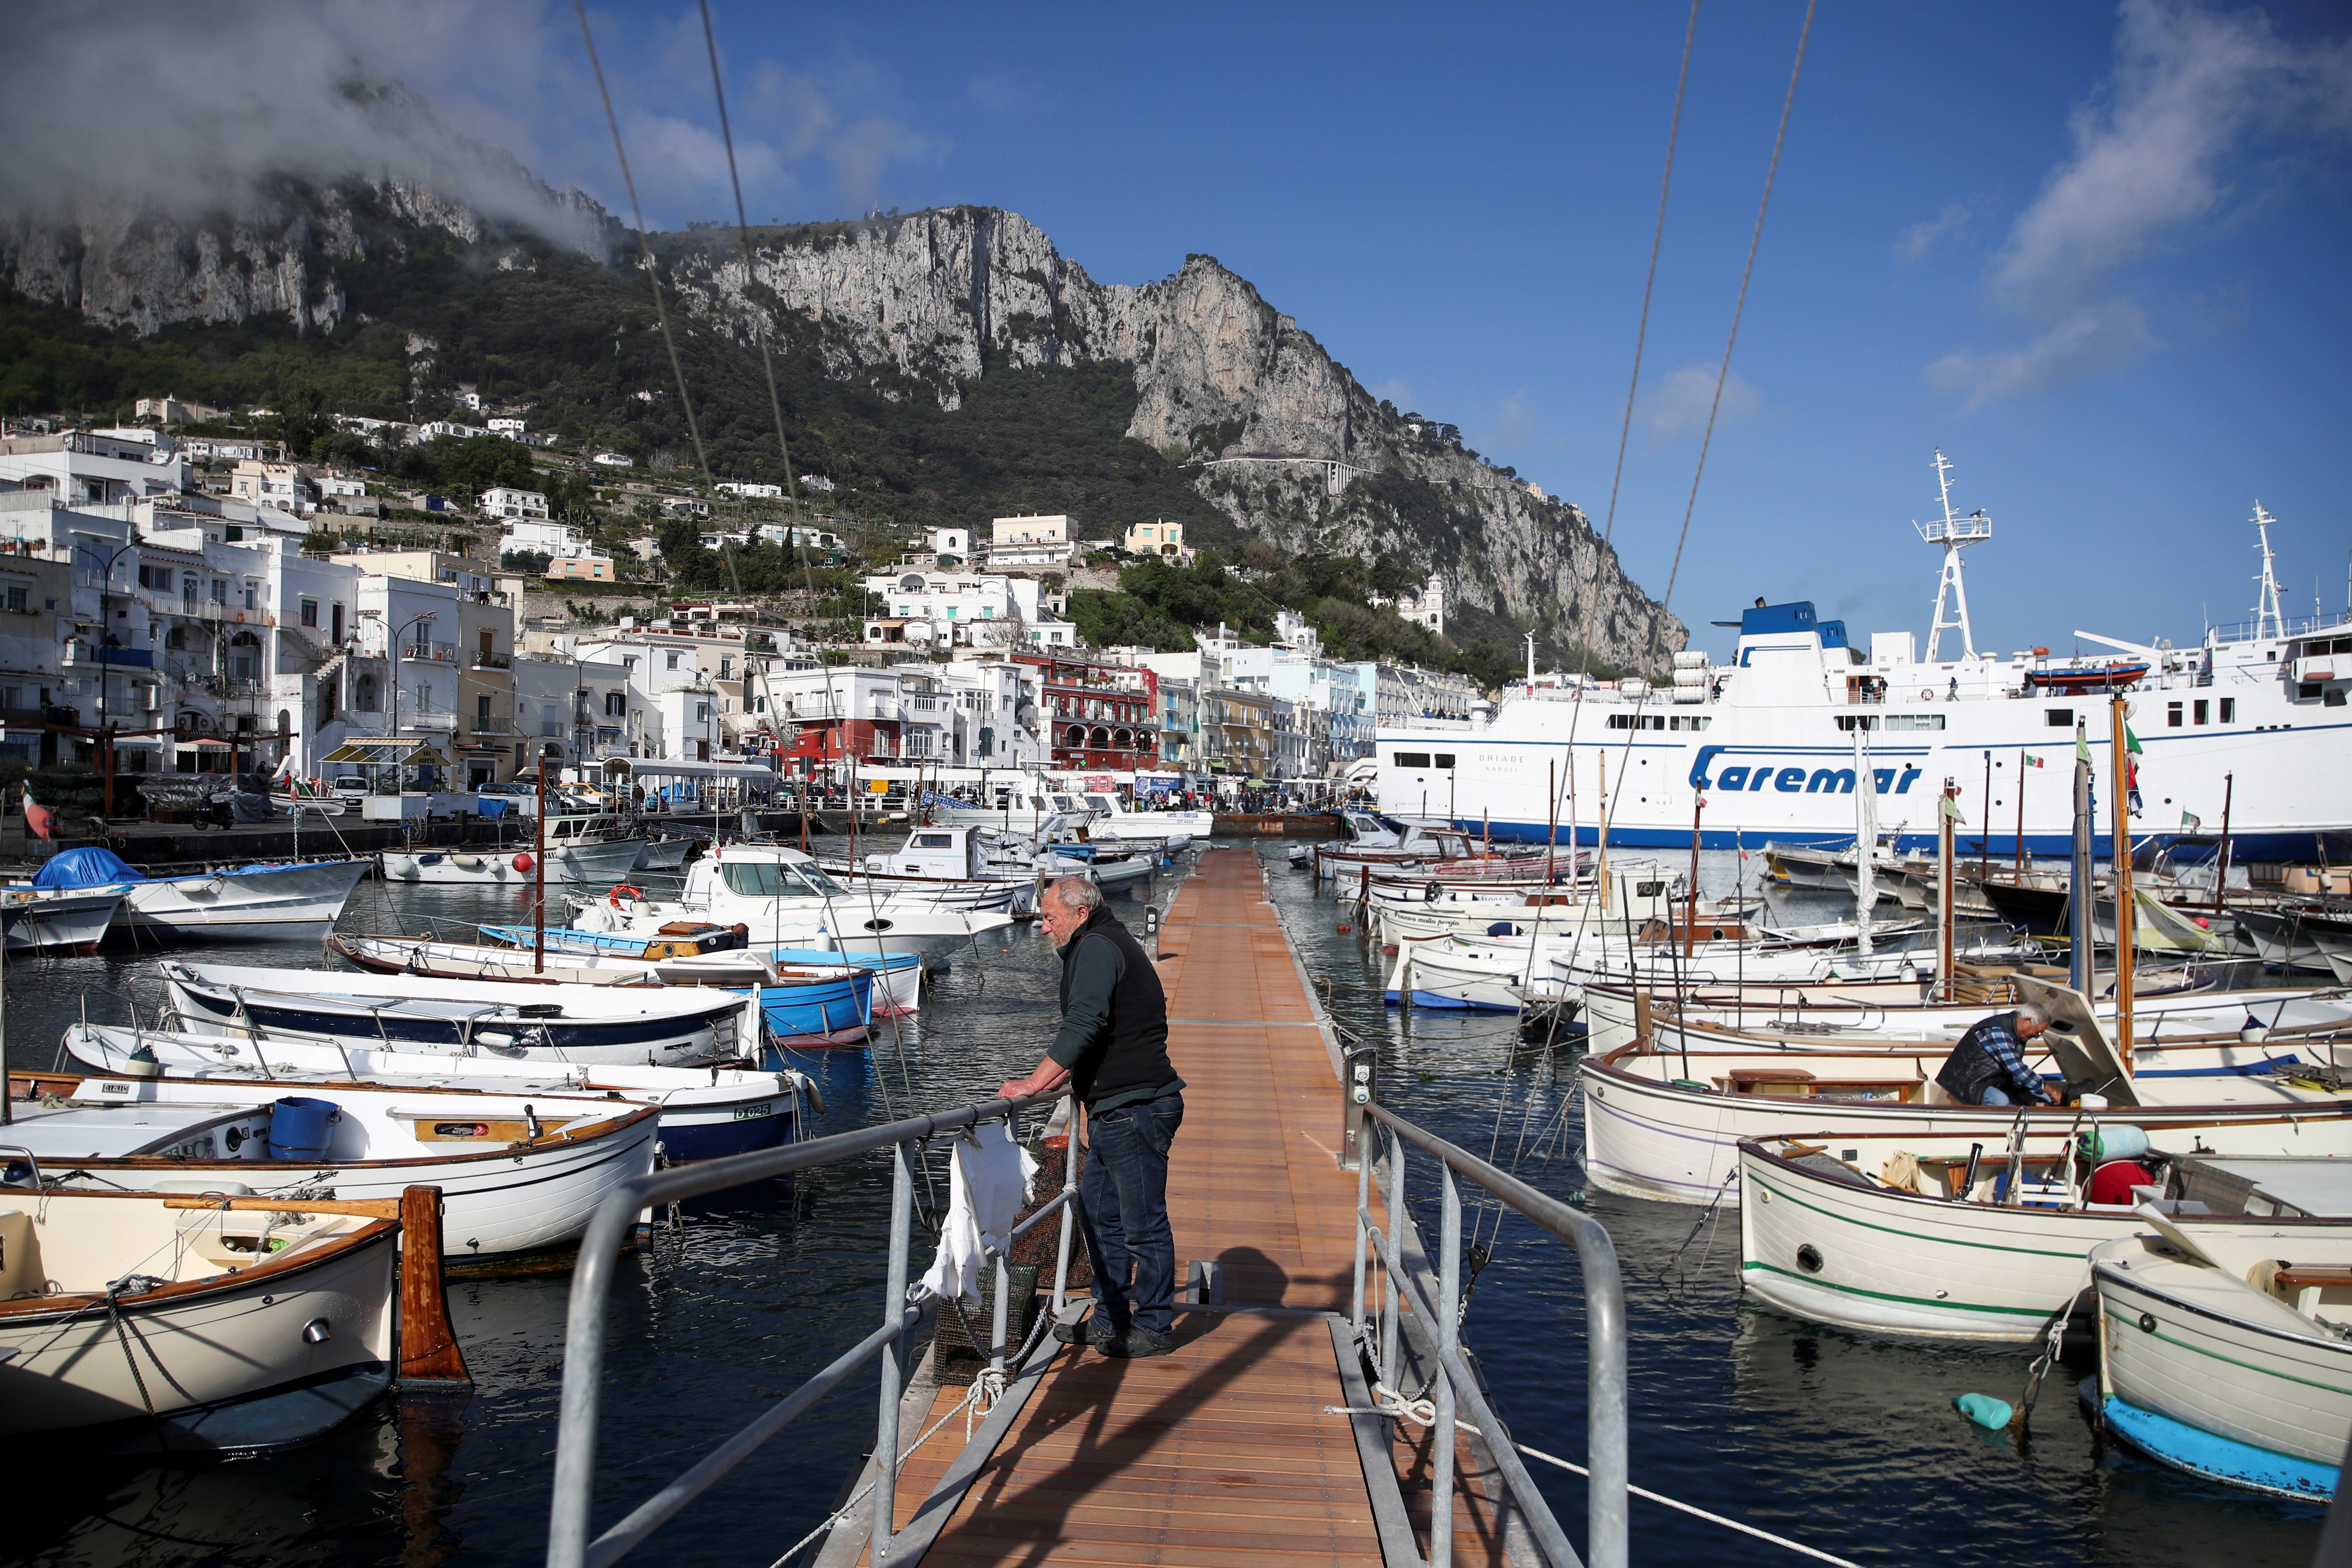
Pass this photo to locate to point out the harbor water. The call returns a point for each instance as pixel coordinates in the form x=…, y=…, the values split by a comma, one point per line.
x=1845, y=1443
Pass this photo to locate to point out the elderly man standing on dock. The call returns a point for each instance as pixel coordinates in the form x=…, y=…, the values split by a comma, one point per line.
x=1113, y=1051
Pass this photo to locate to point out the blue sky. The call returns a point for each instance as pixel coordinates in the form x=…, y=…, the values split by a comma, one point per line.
x=2096, y=254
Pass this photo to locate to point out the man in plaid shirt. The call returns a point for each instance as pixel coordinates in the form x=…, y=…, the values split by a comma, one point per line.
x=1987, y=1067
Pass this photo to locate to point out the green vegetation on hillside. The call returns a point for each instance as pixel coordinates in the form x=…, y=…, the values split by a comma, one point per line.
x=1160, y=604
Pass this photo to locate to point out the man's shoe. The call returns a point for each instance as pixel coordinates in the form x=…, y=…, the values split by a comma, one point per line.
x=1092, y=1330
x=1138, y=1342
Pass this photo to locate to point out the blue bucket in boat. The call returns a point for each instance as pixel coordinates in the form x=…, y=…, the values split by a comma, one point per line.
x=303, y=1128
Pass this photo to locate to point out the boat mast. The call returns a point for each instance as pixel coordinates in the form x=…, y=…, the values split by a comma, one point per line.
x=1955, y=534
x=2269, y=620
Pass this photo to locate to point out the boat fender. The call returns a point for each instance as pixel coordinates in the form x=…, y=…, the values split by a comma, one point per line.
x=466, y=862
x=2254, y=1033
x=429, y=859
x=2115, y=1141
x=634, y=895
x=521, y=862
x=1428, y=894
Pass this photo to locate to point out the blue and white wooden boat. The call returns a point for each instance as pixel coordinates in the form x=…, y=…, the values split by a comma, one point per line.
x=899, y=976
x=707, y=1113
x=2219, y=1358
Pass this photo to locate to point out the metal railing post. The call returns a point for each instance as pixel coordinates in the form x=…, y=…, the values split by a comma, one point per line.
x=583, y=1380
x=1354, y=1095
x=997, y=1327
x=1391, y=1296
x=1070, y=1155
x=1364, y=1207
x=894, y=1356
x=1449, y=1312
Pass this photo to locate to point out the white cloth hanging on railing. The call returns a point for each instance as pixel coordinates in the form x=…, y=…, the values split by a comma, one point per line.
x=987, y=1180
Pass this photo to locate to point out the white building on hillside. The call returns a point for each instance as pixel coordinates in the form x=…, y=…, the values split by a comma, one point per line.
x=501, y=501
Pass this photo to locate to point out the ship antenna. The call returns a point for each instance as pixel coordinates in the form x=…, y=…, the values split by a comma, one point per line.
x=1955, y=534
x=2269, y=620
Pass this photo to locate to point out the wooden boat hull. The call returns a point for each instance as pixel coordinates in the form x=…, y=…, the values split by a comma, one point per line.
x=1651, y=1138
x=2243, y=1392
x=1878, y=1260
x=204, y=1346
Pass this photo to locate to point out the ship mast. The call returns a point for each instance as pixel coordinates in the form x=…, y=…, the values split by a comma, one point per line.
x=2269, y=620
x=1954, y=533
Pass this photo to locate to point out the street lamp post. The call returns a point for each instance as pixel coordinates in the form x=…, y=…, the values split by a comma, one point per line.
x=105, y=664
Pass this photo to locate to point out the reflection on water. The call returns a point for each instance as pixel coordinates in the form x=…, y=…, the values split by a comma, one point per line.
x=1837, y=1440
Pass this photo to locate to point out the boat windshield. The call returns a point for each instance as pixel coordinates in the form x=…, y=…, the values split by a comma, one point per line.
x=777, y=879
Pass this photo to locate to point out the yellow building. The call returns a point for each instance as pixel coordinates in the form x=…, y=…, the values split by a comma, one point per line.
x=1161, y=539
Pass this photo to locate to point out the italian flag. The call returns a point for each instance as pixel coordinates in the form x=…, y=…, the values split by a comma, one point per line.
x=39, y=820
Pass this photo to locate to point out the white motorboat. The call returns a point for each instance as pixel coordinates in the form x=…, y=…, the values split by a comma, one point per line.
x=783, y=898
x=38, y=919
x=1956, y=1238
x=228, y=1309
x=2227, y=1355
x=591, y=848
x=1114, y=818
x=600, y=1024
x=706, y=1112
x=1010, y=808
x=518, y=1172
x=293, y=901
x=1667, y=1126
x=525, y=965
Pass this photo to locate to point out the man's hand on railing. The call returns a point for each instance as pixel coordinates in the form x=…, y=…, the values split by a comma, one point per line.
x=1048, y=1075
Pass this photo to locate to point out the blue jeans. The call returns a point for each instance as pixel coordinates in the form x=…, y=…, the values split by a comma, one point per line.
x=1994, y=1095
x=1123, y=1212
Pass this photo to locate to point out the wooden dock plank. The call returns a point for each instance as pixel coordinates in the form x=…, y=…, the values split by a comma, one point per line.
x=1221, y=1453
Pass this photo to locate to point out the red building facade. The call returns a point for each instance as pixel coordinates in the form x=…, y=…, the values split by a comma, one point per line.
x=1097, y=715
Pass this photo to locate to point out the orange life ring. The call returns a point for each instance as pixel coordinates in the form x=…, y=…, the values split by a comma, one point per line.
x=635, y=895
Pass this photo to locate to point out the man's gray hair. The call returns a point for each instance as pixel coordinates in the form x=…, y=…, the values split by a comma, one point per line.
x=1079, y=892
x=2034, y=1014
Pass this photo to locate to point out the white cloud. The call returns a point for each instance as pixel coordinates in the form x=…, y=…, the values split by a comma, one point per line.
x=1922, y=237
x=1678, y=405
x=2163, y=147
x=2085, y=340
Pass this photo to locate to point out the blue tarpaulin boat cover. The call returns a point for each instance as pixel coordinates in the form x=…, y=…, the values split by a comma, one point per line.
x=91, y=868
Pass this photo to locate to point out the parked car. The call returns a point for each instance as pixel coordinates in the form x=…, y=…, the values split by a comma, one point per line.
x=349, y=786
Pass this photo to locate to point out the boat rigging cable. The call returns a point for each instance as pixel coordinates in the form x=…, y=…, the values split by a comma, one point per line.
x=653, y=268
x=1755, y=240
x=759, y=317
x=686, y=402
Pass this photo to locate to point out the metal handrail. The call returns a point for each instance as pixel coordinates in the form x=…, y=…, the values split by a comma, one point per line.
x=568, y=1541
x=1604, y=1299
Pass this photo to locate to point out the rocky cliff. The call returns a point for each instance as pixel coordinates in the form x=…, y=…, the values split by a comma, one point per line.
x=1267, y=427
x=1280, y=435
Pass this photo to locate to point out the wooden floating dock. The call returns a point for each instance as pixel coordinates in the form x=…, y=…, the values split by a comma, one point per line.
x=1222, y=1453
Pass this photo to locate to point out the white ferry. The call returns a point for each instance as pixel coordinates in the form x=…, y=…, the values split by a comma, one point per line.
x=2252, y=722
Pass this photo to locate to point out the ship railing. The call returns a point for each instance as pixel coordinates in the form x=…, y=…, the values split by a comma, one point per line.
x=1431, y=1318
x=569, y=1544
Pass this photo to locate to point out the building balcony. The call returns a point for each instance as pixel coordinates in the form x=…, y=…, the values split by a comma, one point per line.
x=429, y=652
x=445, y=723
x=490, y=661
